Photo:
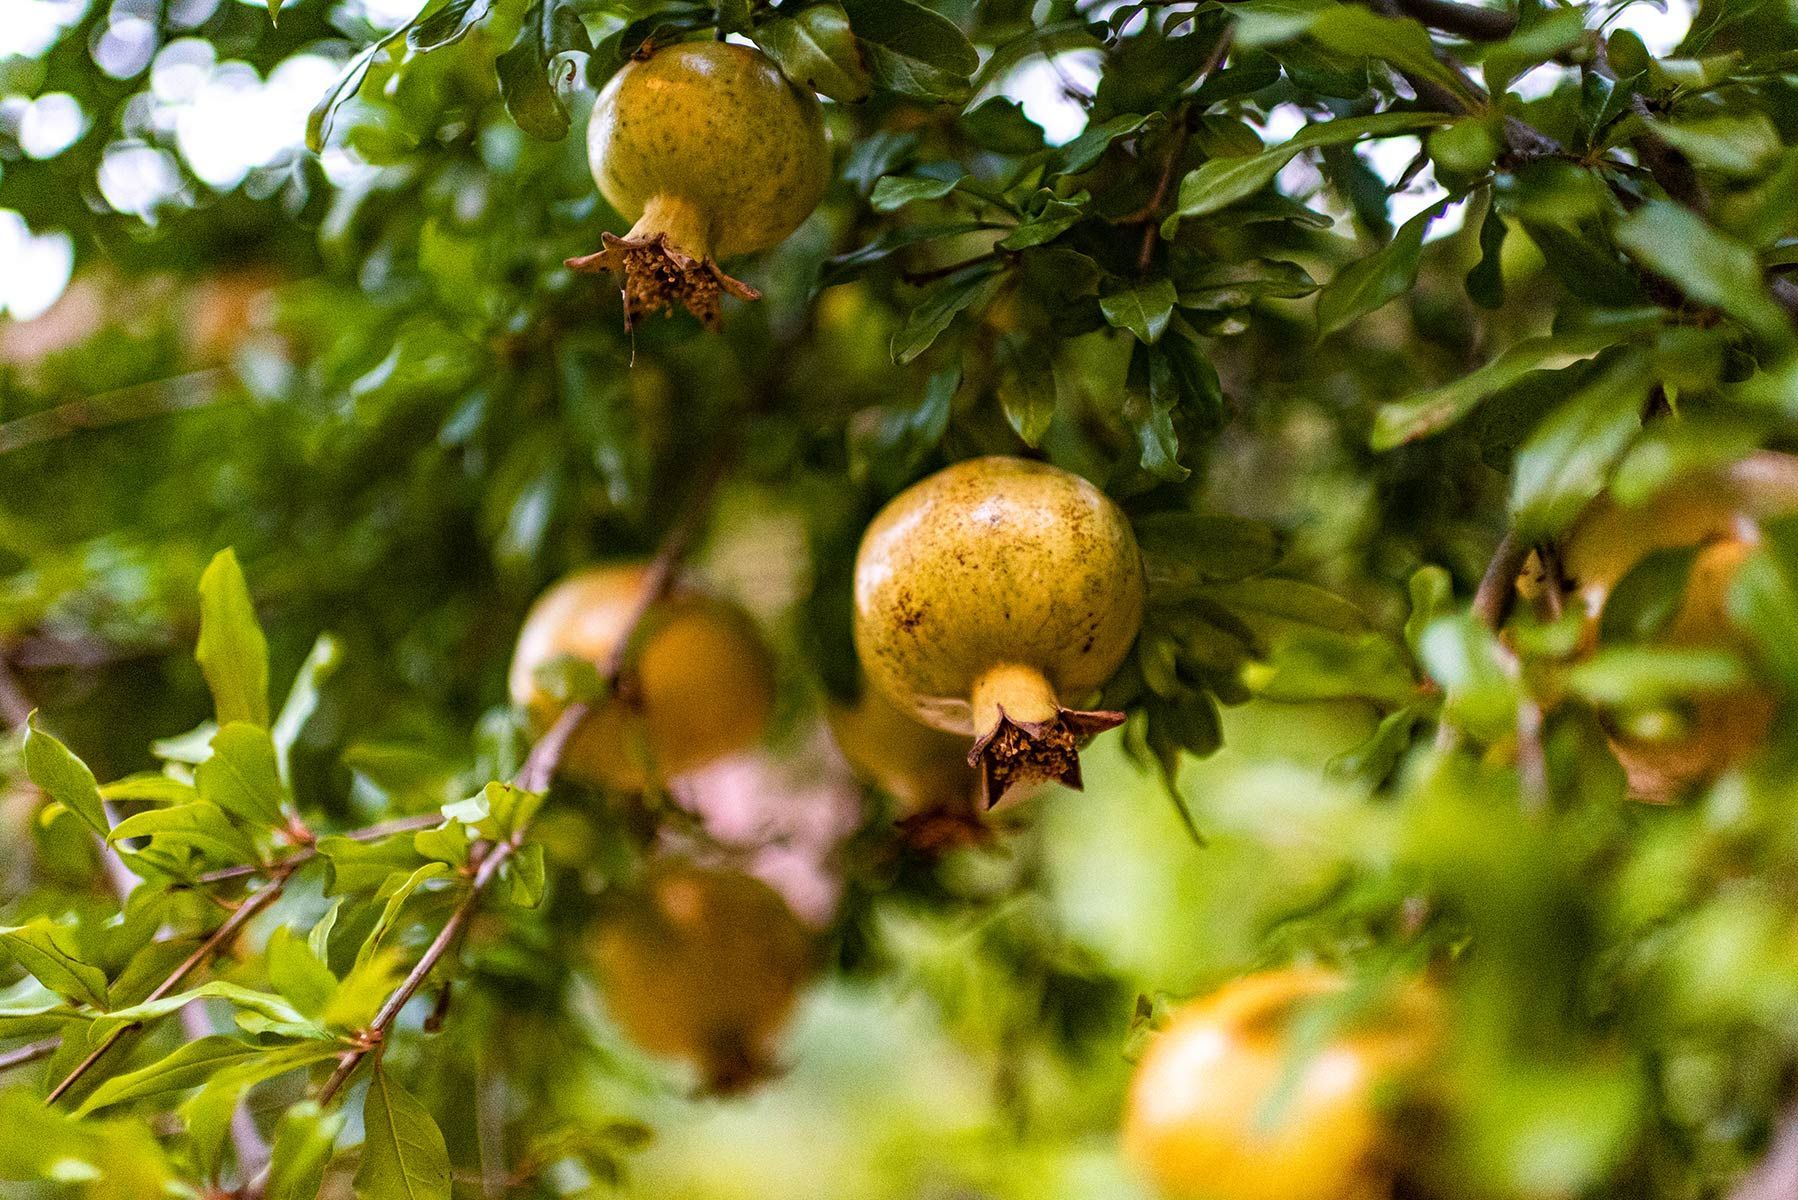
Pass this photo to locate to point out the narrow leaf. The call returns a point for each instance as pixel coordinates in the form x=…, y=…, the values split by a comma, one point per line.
x=232, y=653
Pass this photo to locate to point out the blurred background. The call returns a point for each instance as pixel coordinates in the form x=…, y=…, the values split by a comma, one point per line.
x=368, y=372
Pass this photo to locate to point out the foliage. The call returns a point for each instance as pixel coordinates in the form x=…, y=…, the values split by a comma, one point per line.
x=281, y=473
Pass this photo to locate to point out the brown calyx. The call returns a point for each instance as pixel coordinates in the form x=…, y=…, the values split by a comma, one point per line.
x=1017, y=752
x=658, y=275
x=732, y=1066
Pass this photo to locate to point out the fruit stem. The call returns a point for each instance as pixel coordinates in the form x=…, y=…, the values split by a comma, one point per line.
x=666, y=259
x=1023, y=734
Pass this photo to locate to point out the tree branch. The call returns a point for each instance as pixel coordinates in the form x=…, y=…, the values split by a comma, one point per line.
x=31, y=1052
x=538, y=770
x=193, y=390
x=241, y=916
x=1472, y=22
x=304, y=855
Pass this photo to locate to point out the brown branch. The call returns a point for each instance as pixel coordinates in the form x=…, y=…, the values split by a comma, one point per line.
x=304, y=855
x=29, y=1053
x=371, y=1039
x=114, y=408
x=535, y=775
x=1472, y=22
x=251, y=905
x=1498, y=586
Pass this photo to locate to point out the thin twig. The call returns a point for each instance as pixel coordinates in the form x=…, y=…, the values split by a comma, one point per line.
x=1498, y=586
x=31, y=1052
x=114, y=408
x=376, y=1033
x=538, y=769
x=304, y=855
x=251, y=905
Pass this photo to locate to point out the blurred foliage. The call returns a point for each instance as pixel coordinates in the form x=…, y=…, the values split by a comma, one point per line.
x=1329, y=395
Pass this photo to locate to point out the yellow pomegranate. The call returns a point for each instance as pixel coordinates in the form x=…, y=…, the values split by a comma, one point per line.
x=1213, y=1115
x=705, y=966
x=924, y=769
x=1715, y=512
x=986, y=594
x=699, y=683
x=712, y=152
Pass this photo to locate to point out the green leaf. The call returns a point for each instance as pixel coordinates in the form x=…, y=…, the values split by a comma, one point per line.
x=319, y=936
x=1740, y=146
x=242, y=776
x=1402, y=42
x=1152, y=393
x=1055, y=219
x=1000, y=124
x=446, y=26
x=188, y=1066
x=913, y=50
x=1223, y=285
x=1223, y=181
x=303, y=1145
x=1429, y=412
x=894, y=192
x=526, y=872
x=1709, y=266
x=302, y=698
x=208, y=1113
x=817, y=49
x=150, y=787
x=41, y=947
x=1381, y=277
x=396, y=901
x=1763, y=599
x=202, y=827
x=1563, y=465
x=403, y=1156
x=1290, y=600
x=347, y=84
x=1486, y=280
x=1647, y=676
x=734, y=16
x=927, y=321
x=1143, y=309
x=275, y=1009
x=1027, y=395
x=1183, y=546
x=63, y=777
x=232, y=653
x=1648, y=597
x=357, y=867
x=298, y=974
x=550, y=31
x=1084, y=151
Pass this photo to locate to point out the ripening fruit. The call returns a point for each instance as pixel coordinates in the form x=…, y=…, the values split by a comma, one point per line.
x=703, y=965
x=924, y=770
x=988, y=593
x=701, y=684
x=1209, y=1116
x=713, y=153
x=1714, y=511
